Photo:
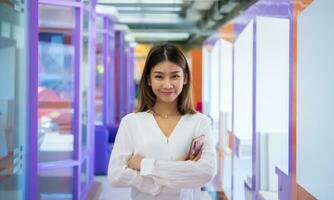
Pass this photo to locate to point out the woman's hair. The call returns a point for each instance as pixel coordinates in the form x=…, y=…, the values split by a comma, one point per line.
x=158, y=54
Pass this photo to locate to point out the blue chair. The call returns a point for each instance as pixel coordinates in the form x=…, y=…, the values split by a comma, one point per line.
x=104, y=141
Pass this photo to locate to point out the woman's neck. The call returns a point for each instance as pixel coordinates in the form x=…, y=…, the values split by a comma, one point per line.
x=166, y=108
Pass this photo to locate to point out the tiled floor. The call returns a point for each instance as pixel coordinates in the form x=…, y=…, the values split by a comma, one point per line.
x=109, y=193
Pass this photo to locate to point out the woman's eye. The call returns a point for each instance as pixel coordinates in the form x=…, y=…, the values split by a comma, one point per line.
x=176, y=76
x=158, y=77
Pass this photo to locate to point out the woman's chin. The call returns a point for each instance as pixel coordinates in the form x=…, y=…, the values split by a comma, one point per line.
x=167, y=99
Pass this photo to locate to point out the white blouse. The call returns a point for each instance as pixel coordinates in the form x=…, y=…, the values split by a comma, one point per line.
x=161, y=176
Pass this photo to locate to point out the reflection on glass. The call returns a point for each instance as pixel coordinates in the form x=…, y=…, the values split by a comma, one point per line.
x=85, y=76
x=84, y=175
x=56, y=184
x=99, y=80
x=55, y=94
x=65, y=17
x=55, y=83
x=13, y=99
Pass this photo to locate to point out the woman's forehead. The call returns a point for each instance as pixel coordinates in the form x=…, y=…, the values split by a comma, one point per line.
x=166, y=66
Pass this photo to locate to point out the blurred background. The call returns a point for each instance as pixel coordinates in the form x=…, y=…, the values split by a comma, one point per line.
x=262, y=71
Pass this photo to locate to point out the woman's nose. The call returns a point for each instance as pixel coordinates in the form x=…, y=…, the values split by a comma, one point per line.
x=167, y=84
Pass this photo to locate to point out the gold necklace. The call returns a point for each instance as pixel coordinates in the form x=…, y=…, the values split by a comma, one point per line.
x=165, y=116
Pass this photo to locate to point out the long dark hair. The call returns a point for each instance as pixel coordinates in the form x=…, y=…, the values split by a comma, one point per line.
x=158, y=54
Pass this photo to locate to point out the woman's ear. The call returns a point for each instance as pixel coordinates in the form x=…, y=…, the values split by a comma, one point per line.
x=185, y=81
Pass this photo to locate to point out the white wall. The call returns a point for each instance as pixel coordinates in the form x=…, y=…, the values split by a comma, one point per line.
x=243, y=107
x=272, y=74
x=243, y=83
x=214, y=88
x=226, y=76
x=315, y=99
x=272, y=84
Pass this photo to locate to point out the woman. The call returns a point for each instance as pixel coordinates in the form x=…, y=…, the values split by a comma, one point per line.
x=151, y=151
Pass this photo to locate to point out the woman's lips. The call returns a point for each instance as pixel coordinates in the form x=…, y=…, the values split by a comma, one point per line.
x=167, y=93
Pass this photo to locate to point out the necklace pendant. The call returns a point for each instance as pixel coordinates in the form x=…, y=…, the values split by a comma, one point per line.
x=165, y=116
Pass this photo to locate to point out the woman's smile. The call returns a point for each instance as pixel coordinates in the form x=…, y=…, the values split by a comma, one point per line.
x=167, y=93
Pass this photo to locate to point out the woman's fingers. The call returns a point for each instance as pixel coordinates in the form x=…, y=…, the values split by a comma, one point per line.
x=182, y=158
x=198, y=156
x=135, y=161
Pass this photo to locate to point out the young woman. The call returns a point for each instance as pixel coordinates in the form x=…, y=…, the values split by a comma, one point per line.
x=153, y=152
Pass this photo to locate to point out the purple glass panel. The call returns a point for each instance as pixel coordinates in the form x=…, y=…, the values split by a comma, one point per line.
x=91, y=110
x=106, y=64
x=33, y=84
x=108, y=57
x=77, y=97
x=119, y=48
x=99, y=74
x=284, y=185
x=111, y=85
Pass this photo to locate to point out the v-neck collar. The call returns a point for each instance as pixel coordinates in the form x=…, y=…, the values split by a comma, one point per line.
x=158, y=127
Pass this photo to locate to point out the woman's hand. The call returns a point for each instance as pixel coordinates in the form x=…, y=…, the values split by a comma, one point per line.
x=190, y=157
x=198, y=156
x=135, y=161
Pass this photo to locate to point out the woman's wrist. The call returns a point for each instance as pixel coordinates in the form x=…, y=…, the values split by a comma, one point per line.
x=135, y=161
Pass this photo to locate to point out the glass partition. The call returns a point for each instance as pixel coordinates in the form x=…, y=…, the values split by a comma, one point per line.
x=84, y=177
x=56, y=184
x=87, y=97
x=225, y=114
x=214, y=87
x=59, y=96
x=105, y=70
x=111, y=75
x=120, y=81
x=243, y=110
x=87, y=75
x=13, y=98
x=56, y=83
x=205, y=79
x=100, y=68
x=272, y=102
x=315, y=97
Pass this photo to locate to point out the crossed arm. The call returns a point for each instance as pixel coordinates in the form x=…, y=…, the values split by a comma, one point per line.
x=149, y=175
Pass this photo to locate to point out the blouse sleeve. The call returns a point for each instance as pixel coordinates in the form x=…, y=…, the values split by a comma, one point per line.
x=184, y=174
x=119, y=175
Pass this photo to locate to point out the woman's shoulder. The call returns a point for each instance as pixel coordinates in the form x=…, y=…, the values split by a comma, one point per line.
x=199, y=117
x=134, y=116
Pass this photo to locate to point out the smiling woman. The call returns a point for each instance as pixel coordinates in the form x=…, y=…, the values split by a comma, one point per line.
x=152, y=153
x=166, y=80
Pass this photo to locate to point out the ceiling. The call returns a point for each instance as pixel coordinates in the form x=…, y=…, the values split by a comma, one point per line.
x=186, y=22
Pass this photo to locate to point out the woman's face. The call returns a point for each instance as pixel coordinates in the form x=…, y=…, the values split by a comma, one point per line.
x=166, y=80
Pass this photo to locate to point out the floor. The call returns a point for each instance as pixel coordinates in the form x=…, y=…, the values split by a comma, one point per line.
x=109, y=193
